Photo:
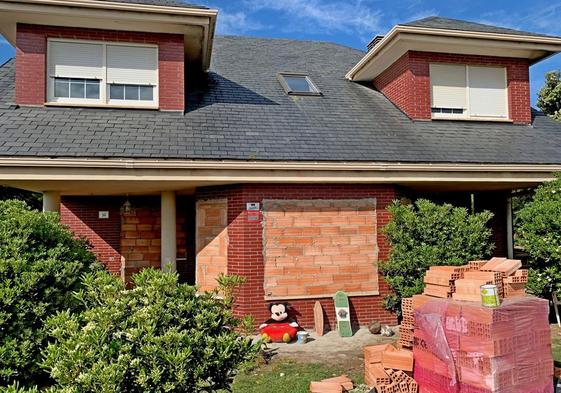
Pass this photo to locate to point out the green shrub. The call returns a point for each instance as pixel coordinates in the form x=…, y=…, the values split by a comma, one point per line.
x=425, y=234
x=539, y=232
x=160, y=336
x=40, y=266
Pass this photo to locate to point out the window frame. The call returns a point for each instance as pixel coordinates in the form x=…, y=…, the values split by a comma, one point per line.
x=467, y=115
x=104, y=85
x=289, y=91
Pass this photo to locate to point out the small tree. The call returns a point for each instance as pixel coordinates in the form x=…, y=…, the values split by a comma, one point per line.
x=549, y=97
x=539, y=232
x=426, y=234
x=160, y=336
x=41, y=264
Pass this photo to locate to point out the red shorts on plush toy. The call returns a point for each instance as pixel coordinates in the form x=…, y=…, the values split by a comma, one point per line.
x=279, y=332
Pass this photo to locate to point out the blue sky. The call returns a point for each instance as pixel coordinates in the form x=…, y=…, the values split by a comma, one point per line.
x=355, y=22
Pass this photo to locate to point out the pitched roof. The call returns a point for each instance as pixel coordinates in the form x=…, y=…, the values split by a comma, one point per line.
x=242, y=113
x=167, y=3
x=438, y=22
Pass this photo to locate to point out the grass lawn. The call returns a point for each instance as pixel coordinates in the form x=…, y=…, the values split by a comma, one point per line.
x=556, y=345
x=288, y=376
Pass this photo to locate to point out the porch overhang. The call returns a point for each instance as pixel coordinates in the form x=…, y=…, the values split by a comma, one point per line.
x=141, y=176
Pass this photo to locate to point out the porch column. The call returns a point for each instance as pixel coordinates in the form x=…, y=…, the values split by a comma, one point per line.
x=51, y=201
x=168, y=231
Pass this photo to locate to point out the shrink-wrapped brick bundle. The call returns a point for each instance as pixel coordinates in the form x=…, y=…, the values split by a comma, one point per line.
x=463, y=347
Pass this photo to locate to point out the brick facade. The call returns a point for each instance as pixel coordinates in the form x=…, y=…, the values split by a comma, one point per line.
x=81, y=215
x=31, y=63
x=317, y=247
x=245, y=250
x=135, y=236
x=407, y=82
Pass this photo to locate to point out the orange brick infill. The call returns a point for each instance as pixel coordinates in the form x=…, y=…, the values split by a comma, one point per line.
x=341, y=259
x=246, y=257
x=211, y=241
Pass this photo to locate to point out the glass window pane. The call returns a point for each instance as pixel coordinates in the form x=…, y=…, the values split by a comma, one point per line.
x=146, y=93
x=77, y=89
x=298, y=84
x=92, y=89
x=117, y=92
x=131, y=92
x=62, y=87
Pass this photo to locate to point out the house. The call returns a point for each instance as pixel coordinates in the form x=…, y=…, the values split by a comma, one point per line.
x=274, y=159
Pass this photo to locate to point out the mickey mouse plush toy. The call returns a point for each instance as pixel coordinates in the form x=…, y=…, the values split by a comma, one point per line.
x=279, y=328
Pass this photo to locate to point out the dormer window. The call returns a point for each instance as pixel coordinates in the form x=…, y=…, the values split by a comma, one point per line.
x=298, y=84
x=468, y=92
x=102, y=74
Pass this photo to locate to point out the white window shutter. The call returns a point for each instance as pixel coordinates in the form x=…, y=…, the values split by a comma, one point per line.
x=132, y=65
x=487, y=92
x=448, y=86
x=75, y=60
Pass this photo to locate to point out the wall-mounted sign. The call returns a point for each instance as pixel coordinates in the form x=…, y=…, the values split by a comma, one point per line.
x=103, y=214
x=252, y=206
x=253, y=216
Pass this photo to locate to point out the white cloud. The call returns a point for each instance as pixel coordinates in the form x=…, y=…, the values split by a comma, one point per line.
x=351, y=17
x=235, y=23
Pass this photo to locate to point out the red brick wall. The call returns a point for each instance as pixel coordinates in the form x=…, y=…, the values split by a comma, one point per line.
x=31, y=49
x=245, y=252
x=81, y=215
x=407, y=82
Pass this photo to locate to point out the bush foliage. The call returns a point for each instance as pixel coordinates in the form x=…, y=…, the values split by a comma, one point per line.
x=539, y=232
x=425, y=234
x=40, y=266
x=160, y=336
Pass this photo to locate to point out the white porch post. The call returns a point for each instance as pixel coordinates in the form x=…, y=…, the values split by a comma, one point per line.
x=509, y=229
x=51, y=201
x=168, y=231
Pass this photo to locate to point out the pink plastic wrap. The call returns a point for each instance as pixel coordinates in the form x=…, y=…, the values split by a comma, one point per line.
x=463, y=347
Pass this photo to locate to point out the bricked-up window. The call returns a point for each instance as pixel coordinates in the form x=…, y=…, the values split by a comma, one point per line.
x=102, y=73
x=468, y=92
x=313, y=248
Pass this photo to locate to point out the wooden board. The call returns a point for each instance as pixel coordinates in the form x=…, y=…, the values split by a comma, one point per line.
x=318, y=319
x=343, y=314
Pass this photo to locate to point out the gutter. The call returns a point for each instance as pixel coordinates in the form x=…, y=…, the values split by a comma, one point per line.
x=277, y=165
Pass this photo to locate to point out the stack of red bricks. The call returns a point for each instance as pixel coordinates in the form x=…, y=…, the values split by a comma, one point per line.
x=464, y=282
x=465, y=347
x=389, y=369
x=408, y=307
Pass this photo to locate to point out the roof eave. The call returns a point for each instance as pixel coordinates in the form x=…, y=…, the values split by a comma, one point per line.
x=549, y=45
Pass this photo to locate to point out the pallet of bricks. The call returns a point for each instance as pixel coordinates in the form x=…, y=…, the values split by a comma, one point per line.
x=460, y=346
x=464, y=282
x=389, y=369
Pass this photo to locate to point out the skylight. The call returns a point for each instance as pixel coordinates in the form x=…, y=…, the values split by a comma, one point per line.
x=298, y=84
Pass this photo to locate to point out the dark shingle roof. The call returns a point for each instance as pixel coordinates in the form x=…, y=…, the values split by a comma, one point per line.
x=242, y=113
x=437, y=22
x=167, y=3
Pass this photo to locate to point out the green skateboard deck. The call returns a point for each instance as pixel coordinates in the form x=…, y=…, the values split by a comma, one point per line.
x=343, y=314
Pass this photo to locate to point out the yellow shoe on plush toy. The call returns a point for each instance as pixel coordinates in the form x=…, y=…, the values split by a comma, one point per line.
x=265, y=337
x=286, y=338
